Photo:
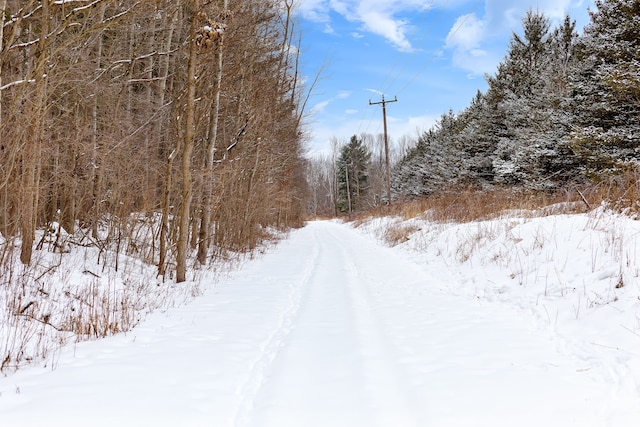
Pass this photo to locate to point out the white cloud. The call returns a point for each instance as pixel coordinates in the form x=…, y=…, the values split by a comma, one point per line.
x=320, y=106
x=466, y=38
x=467, y=32
x=477, y=61
x=328, y=29
x=322, y=134
x=314, y=10
x=478, y=53
x=399, y=127
x=472, y=38
x=497, y=19
x=414, y=125
x=342, y=7
x=378, y=17
x=382, y=24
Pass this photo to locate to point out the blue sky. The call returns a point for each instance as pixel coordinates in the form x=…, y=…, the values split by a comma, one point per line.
x=430, y=54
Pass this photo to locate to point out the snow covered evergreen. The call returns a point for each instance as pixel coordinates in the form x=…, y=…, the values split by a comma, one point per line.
x=560, y=108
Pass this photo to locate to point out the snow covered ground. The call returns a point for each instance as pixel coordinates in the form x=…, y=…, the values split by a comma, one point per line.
x=497, y=323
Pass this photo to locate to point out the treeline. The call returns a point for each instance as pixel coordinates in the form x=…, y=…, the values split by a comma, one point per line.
x=561, y=108
x=187, y=112
x=352, y=177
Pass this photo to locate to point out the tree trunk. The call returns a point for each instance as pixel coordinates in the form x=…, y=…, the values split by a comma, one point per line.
x=95, y=151
x=187, y=150
x=166, y=198
x=32, y=148
x=3, y=6
x=166, y=206
x=205, y=223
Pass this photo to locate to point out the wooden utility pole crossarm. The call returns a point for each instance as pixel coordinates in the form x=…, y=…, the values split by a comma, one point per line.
x=386, y=142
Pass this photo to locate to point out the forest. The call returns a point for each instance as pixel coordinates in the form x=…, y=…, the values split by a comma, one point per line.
x=180, y=117
x=561, y=110
x=145, y=142
x=188, y=117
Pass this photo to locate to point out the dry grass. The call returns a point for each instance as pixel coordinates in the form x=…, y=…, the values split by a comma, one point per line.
x=50, y=303
x=620, y=192
x=472, y=205
x=398, y=233
x=79, y=287
x=77, y=290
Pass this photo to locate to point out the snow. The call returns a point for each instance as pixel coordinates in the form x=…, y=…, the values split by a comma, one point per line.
x=514, y=321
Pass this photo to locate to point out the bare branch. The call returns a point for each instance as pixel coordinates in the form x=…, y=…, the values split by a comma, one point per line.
x=16, y=83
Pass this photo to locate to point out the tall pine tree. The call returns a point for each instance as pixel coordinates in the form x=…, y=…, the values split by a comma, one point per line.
x=353, y=166
x=533, y=152
x=606, y=87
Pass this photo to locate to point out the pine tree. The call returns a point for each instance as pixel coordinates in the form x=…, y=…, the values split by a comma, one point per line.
x=435, y=164
x=408, y=176
x=353, y=165
x=476, y=145
x=524, y=112
x=516, y=134
x=606, y=87
x=532, y=152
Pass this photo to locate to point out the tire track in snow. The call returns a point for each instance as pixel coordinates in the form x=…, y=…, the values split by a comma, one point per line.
x=335, y=369
x=369, y=345
x=389, y=400
x=273, y=345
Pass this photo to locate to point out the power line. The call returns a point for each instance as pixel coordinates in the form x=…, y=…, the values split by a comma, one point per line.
x=409, y=58
x=393, y=73
x=437, y=52
x=419, y=46
x=399, y=66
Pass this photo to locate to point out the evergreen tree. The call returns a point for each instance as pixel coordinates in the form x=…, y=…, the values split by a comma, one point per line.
x=524, y=111
x=529, y=55
x=353, y=166
x=434, y=164
x=606, y=87
x=476, y=144
x=408, y=176
x=532, y=151
x=516, y=134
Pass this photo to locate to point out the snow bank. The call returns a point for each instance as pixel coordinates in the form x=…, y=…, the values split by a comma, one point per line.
x=578, y=274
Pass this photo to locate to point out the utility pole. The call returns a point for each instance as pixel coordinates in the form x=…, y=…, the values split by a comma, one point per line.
x=346, y=171
x=386, y=142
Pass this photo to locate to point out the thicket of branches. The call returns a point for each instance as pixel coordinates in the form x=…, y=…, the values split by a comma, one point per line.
x=561, y=108
x=362, y=160
x=188, y=112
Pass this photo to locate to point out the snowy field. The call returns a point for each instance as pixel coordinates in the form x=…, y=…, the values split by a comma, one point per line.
x=508, y=322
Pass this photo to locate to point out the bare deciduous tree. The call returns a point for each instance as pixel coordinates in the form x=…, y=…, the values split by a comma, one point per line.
x=113, y=109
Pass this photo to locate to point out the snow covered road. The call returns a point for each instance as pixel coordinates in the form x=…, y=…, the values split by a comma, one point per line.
x=327, y=329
